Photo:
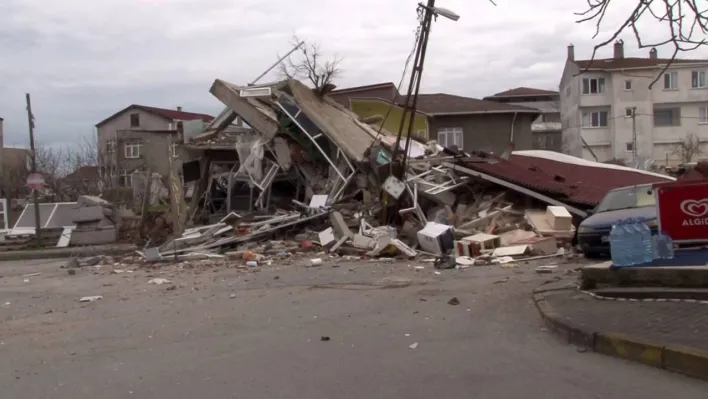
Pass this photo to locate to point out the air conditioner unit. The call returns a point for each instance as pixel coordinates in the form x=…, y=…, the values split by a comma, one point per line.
x=256, y=92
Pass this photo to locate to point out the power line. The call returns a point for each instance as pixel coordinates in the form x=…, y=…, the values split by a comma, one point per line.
x=400, y=83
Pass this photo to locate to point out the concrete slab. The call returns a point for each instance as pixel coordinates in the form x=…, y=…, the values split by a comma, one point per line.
x=337, y=123
x=255, y=116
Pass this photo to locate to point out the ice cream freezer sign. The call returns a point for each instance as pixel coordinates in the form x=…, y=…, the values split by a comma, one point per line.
x=683, y=210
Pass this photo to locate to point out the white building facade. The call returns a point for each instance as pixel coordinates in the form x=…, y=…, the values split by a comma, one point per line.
x=605, y=101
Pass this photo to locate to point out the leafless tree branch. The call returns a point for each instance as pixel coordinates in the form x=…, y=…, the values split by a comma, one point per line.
x=54, y=163
x=312, y=65
x=688, y=149
x=685, y=23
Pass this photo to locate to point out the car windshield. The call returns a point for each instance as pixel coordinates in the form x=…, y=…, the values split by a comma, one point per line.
x=628, y=197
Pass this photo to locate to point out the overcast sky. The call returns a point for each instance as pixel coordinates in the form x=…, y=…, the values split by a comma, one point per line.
x=84, y=60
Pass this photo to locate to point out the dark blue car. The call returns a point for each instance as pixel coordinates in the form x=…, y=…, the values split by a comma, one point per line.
x=638, y=202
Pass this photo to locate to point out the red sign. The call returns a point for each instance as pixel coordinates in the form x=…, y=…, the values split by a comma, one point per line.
x=35, y=181
x=683, y=210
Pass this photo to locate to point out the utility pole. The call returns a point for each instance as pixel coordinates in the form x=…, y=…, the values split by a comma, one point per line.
x=33, y=158
x=634, y=134
x=409, y=108
x=428, y=12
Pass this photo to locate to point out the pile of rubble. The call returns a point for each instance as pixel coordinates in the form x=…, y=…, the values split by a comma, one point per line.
x=308, y=173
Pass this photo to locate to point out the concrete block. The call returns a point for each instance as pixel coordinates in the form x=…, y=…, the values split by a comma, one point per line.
x=87, y=214
x=339, y=225
x=94, y=236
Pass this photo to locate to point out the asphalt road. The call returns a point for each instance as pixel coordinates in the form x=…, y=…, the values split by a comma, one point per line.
x=230, y=334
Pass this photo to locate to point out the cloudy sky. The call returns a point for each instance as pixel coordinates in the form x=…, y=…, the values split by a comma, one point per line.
x=84, y=60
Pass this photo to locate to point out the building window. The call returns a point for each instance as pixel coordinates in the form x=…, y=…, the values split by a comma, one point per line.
x=595, y=119
x=111, y=146
x=134, y=120
x=630, y=147
x=593, y=85
x=670, y=80
x=628, y=85
x=174, y=150
x=703, y=115
x=133, y=150
x=667, y=117
x=450, y=136
x=126, y=178
x=698, y=80
x=628, y=112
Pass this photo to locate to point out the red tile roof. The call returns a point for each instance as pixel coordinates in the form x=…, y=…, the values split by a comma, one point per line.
x=524, y=92
x=575, y=184
x=631, y=62
x=169, y=114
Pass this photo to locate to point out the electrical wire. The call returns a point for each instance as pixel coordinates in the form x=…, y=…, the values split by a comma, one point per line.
x=400, y=83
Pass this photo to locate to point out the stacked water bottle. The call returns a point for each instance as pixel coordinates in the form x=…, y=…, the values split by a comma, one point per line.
x=631, y=243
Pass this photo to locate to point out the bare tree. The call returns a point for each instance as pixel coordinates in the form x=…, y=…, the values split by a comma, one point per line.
x=311, y=64
x=688, y=149
x=685, y=23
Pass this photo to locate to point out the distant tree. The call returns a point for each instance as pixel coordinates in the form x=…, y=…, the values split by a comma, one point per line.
x=311, y=64
x=684, y=23
x=688, y=149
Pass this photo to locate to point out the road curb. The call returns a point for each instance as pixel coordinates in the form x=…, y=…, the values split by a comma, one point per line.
x=63, y=254
x=686, y=360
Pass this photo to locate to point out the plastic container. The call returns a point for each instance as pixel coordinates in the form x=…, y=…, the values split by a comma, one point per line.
x=665, y=246
x=617, y=244
x=647, y=242
x=633, y=244
x=656, y=246
x=669, y=243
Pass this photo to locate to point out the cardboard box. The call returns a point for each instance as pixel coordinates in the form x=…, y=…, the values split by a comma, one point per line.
x=436, y=238
x=559, y=218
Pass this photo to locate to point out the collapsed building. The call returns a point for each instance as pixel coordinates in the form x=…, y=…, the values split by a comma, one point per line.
x=301, y=156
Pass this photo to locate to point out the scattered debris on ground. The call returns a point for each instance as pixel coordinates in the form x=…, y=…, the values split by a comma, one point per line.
x=90, y=298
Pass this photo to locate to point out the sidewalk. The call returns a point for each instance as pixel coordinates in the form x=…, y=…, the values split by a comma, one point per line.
x=55, y=253
x=665, y=334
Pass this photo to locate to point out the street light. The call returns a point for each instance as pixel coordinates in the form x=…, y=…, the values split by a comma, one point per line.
x=444, y=12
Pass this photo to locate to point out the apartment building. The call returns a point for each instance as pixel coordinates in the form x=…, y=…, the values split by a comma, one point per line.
x=632, y=108
x=141, y=138
x=546, y=129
